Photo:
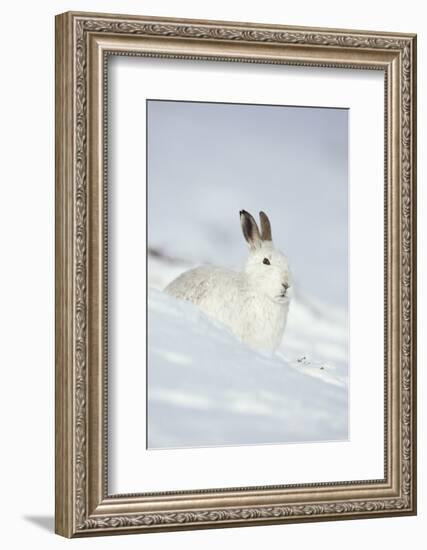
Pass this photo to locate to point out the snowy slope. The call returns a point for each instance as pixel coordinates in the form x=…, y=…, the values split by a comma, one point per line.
x=206, y=388
x=206, y=163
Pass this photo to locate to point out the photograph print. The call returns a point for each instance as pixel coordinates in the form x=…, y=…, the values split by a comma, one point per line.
x=247, y=264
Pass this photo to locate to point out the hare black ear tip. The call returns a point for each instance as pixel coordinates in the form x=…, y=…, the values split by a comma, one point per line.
x=243, y=212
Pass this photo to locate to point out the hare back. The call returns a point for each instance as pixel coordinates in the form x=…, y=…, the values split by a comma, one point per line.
x=202, y=282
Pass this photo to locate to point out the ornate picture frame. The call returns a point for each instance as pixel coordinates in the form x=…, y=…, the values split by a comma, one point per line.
x=84, y=506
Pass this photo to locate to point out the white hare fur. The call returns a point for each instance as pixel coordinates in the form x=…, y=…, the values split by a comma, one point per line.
x=253, y=303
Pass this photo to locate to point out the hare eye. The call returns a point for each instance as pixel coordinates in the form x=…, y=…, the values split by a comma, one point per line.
x=266, y=261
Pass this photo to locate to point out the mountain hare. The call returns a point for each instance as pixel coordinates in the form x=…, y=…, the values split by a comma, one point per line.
x=253, y=303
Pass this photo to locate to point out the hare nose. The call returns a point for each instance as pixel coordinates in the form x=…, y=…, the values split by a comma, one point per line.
x=285, y=286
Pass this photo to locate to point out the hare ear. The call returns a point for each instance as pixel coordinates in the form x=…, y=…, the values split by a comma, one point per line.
x=265, y=227
x=250, y=230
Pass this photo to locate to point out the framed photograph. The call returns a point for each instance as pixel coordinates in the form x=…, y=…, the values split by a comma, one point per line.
x=235, y=274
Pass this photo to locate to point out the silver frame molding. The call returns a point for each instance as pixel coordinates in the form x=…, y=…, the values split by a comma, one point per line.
x=83, y=43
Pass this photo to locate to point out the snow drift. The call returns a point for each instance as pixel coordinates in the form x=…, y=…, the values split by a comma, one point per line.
x=206, y=388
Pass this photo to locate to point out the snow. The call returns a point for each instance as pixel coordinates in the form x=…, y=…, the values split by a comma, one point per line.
x=205, y=387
